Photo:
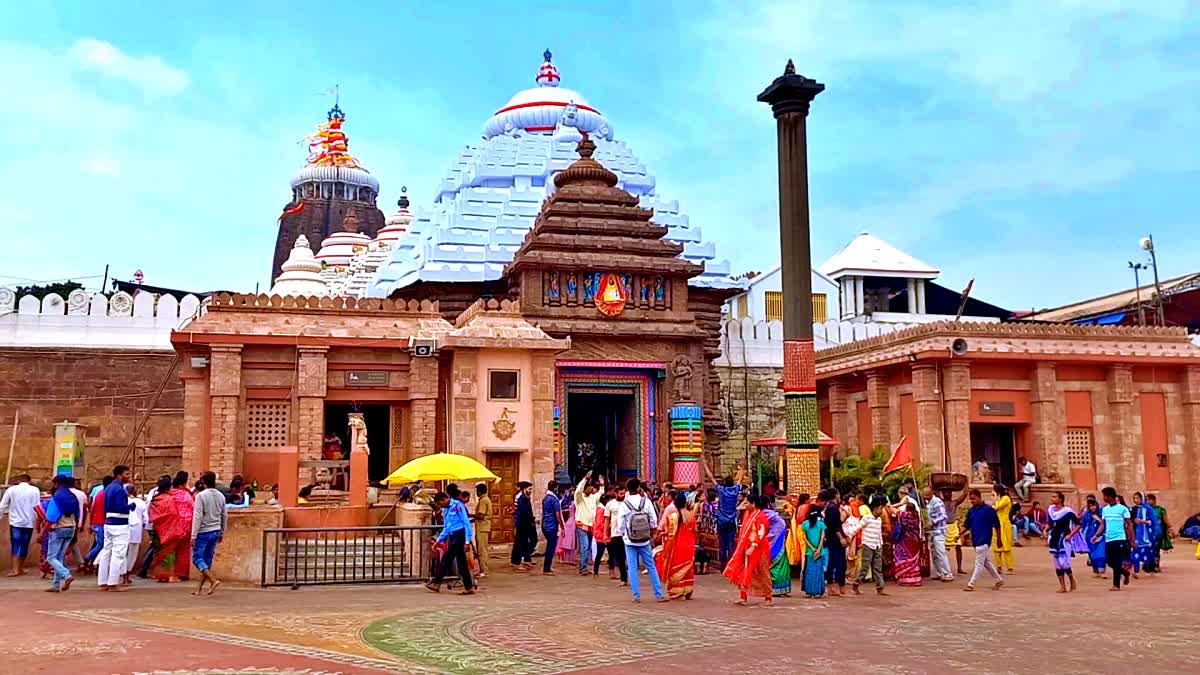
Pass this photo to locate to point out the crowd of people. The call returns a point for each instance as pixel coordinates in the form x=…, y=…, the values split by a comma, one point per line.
x=831, y=543
x=181, y=524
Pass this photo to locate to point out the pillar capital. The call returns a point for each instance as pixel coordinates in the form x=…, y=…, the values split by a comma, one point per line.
x=790, y=92
x=956, y=381
x=1120, y=383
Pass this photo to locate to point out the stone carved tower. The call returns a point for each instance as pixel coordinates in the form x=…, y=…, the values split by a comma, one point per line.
x=331, y=186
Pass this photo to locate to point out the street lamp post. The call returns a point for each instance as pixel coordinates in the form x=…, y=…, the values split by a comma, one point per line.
x=1147, y=244
x=789, y=96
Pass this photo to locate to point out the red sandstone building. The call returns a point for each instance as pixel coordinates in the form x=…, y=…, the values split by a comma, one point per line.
x=1091, y=406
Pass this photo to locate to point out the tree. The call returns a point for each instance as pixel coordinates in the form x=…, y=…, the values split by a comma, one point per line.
x=864, y=474
x=40, y=291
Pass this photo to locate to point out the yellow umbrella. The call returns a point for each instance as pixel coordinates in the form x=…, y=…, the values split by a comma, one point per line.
x=440, y=466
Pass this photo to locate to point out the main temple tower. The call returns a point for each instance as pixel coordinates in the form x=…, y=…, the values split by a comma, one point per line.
x=331, y=185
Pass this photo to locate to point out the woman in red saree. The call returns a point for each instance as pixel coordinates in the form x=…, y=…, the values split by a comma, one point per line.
x=171, y=513
x=750, y=567
x=677, y=558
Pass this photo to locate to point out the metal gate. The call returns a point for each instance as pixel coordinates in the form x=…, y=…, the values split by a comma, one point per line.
x=346, y=555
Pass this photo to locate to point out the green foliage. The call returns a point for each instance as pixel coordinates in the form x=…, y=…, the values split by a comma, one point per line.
x=863, y=474
x=770, y=471
x=63, y=288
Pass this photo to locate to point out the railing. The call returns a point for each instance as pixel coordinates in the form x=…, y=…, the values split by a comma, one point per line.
x=346, y=555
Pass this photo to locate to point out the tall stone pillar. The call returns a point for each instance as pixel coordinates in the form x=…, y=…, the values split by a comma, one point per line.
x=956, y=385
x=225, y=406
x=928, y=400
x=1048, y=431
x=312, y=385
x=789, y=97
x=877, y=401
x=839, y=413
x=1191, y=421
x=1127, y=457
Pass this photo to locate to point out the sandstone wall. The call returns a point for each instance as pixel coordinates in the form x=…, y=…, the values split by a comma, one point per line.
x=106, y=389
x=752, y=401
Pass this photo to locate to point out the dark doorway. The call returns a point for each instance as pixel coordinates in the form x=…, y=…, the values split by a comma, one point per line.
x=997, y=445
x=600, y=435
x=378, y=420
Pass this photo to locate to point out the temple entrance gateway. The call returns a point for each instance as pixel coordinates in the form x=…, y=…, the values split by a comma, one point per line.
x=602, y=435
x=378, y=420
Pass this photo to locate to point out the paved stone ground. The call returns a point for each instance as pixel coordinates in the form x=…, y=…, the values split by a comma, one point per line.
x=529, y=624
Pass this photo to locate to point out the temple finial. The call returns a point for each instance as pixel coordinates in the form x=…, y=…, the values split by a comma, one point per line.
x=546, y=55
x=790, y=68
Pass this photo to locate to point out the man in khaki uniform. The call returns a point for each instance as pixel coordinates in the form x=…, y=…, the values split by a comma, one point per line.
x=483, y=527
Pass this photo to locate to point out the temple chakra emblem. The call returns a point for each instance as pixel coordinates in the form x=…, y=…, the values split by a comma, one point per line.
x=612, y=296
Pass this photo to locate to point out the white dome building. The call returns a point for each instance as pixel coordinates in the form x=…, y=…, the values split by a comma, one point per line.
x=301, y=273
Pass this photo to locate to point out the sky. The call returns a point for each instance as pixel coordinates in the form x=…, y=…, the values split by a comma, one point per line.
x=1027, y=145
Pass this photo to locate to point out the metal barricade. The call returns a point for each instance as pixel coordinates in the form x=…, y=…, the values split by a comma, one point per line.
x=346, y=555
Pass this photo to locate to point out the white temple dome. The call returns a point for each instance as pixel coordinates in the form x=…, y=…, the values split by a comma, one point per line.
x=301, y=272
x=339, y=247
x=539, y=110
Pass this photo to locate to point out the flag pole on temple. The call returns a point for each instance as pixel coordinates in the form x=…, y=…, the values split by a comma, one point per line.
x=789, y=96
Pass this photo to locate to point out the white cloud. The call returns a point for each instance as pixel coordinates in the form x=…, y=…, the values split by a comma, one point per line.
x=102, y=165
x=148, y=73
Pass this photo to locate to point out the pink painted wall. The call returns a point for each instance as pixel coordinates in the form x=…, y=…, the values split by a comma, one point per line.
x=520, y=411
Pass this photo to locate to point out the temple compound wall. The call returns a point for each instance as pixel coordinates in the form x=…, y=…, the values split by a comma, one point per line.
x=96, y=360
x=1090, y=406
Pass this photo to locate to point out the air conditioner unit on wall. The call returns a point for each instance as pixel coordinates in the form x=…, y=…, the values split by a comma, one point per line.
x=422, y=347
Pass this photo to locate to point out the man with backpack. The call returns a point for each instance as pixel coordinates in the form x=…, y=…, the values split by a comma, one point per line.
x=638, y=522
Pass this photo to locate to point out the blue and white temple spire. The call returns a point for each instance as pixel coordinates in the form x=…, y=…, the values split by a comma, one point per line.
x=491, y=194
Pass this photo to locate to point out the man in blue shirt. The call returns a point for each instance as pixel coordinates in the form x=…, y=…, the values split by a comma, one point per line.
x=456, y=535
x=728, y=492
x=1116, y=526
x=551, y=524
x=982, y=522
x=112, y=558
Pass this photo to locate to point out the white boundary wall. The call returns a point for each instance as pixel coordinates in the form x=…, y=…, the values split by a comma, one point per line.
x=124, y=321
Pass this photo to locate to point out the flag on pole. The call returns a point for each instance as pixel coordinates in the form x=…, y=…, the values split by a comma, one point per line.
x=901, y=457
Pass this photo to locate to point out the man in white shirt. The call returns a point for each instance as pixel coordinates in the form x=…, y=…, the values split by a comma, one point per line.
x=871, y=526
x=1028, y=477
x=19, y=502
x=638, y=522
x=612, y=517
x=138, y=518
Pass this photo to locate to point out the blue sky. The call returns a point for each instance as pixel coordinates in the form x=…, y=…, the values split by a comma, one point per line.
x=1026, y=144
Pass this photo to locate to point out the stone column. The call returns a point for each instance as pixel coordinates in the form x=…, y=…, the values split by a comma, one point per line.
x=912, y=296
x=839, y=412
x=423, y=390
x=543, y=461
x=1048, y=431
x=1127, y=457
x=225, y=406
x=877, y=401
x=1191, y=421
x=789, y=97
x=931, y=448
x=312, y=385
x=464, y=392
x=956, y=385
x=195, y=420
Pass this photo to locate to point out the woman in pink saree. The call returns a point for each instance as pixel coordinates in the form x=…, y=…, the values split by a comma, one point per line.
x=566, y=552
x=908, y=546
x=676, y=560
x=171, y=513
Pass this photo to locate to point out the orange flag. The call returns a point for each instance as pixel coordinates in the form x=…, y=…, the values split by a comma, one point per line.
x=901, y=456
